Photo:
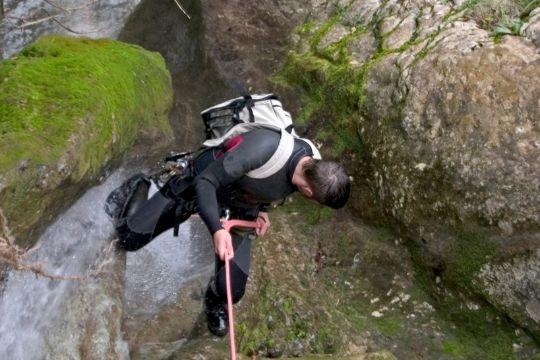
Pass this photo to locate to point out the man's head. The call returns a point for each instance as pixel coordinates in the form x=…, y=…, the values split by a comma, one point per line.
x=327, y=183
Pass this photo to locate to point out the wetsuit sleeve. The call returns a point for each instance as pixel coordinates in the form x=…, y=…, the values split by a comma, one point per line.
x=254, y=150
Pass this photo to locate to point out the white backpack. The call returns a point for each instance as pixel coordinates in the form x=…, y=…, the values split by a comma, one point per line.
x=243, y=114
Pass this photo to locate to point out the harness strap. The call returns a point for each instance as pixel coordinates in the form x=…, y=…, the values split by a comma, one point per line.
x=249, y=106
x=277, y=160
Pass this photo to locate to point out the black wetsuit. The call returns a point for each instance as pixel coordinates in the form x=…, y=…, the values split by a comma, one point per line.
x=219, y=182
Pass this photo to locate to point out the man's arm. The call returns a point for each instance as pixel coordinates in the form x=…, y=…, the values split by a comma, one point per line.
x=255, y=149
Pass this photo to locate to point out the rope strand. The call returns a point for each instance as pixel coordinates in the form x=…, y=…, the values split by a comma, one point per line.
x=227, y=225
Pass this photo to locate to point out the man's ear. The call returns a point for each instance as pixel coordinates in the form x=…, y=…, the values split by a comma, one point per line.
x=306, y=190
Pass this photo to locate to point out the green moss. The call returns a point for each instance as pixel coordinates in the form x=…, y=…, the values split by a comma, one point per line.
x=331, y=87
x=479, y=331
x=454, y=348
x=96, y=91
x=67, y=107
x=309, y=211
x=278, y=322
x=390, y=325
x=319, y=34
x=470, y=250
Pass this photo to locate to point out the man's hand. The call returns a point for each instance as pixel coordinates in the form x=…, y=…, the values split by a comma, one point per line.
x=263, y=223
x=223, y=244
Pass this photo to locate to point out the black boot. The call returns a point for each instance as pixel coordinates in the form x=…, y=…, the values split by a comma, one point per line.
x=124, y=200
x=216, y=313
x=137, y=198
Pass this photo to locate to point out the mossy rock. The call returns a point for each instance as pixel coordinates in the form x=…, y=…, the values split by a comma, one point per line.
x=68, y=106
x=442, y=173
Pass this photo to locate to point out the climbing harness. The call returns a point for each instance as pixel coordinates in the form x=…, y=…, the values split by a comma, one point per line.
x=228, y=225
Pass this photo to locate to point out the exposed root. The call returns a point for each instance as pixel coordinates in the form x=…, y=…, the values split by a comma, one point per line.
x=13, y=255
x=43, y=15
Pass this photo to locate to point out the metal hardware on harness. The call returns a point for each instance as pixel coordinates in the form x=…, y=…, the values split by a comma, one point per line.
x=175, y=164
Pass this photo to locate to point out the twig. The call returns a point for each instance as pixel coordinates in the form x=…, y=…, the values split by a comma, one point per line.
x=181, y=8
x=27, y=22
x=87, y=4
x=67, y=28
x=14, y=256
x=31, y=23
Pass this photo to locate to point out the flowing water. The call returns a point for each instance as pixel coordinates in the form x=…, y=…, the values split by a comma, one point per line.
x=157, y=271
x=71, y=246
x=32, y=306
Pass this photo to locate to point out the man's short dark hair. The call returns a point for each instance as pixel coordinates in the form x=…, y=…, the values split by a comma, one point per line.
x=328, y=181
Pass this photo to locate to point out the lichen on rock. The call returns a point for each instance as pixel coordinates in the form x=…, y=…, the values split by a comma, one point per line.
x=442, y=119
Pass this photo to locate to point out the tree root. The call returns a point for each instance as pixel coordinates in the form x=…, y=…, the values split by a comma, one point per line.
x=14, y=256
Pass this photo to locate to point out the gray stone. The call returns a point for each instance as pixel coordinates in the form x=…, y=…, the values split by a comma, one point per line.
x=88, y=18
x=362, y=48
x=514, y=285
x=361, y=12
x=401, y=33
x=532, y=28
x=335, y=34
x=450, y=126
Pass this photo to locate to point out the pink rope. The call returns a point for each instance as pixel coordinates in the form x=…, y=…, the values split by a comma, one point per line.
x=230, y=311
x=227, y=225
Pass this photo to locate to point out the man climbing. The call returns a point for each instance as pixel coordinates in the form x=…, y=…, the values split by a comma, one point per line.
x=219, y=181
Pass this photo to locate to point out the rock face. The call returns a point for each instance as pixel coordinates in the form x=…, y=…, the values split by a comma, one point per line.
x=91, y=322
x=448, y=136
x=69, y=106
x=248, y=44
x=24, y=21
x=442, y=125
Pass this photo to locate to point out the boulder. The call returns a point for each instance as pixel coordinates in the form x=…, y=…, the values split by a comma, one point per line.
x=446, y=140
x=69, y=106
x=532, y=29
x=234, y=32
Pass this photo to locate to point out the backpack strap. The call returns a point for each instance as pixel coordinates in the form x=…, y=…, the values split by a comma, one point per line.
x=249, y=106
x=277, y=160
x=237, y=130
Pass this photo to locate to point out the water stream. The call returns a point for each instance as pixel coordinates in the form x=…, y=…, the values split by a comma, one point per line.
x=156, y=272
x=72, y=245
x=32, y=307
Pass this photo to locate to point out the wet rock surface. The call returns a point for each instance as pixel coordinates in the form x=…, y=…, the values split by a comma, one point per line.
x=90, y=326
x=350, y=291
